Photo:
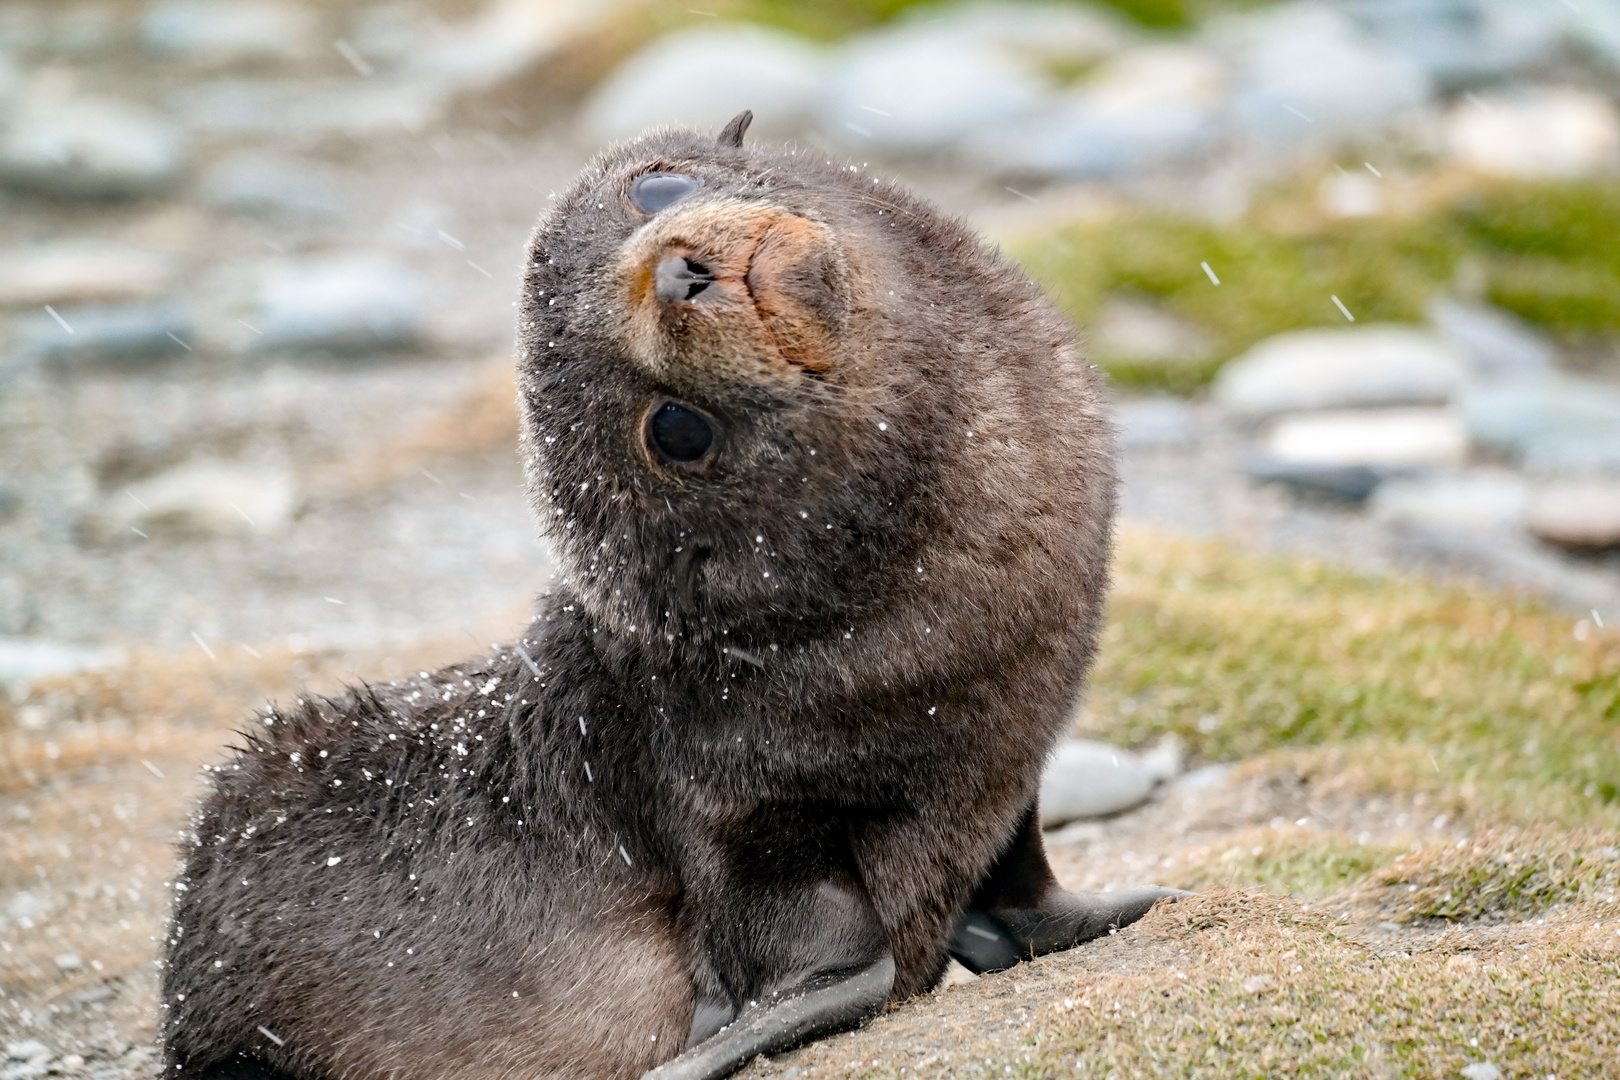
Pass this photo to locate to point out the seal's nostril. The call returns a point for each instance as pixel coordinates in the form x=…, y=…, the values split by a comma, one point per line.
x=675, y=278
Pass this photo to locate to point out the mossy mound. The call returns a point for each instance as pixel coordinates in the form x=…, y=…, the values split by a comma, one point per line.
x=1416, y=686
x=1544, y=251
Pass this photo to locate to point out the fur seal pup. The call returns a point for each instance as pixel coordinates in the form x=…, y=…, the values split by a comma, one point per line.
x=831, y=488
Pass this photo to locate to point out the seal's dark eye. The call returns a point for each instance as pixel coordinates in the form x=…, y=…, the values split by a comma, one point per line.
x=653, y=192
x=679, y=434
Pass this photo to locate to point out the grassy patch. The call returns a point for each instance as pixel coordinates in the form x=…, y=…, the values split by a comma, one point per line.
x=1503, y=873
x=1296, y=864
x=1417, y=686
x=1546, y=252
x=1287, y=996
x=830, y=20
x=1233, y=984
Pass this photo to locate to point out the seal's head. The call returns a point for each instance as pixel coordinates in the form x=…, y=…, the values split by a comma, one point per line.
x=750, y=378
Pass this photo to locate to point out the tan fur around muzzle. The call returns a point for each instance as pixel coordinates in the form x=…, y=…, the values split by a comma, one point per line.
x=776, y=303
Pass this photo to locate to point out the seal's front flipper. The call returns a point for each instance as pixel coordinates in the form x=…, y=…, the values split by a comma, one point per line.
x=821, y=1006
x=1019, y=912
x=1065, y=919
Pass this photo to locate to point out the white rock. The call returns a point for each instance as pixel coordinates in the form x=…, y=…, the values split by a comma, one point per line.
x=23, y=660
x=505, y=38
x=1085, y=779
x=110, y=334
x=1128, y=328
x=90, y=148
x=973, y=74
x=1598, y=28
x=1481, y=1070
x=1038, y=32
x=1393, y=438
x=1147, y=107
x=201, y=498
x=1481, y=501
x=257, y=182
x=919, y=87
x=69, y=962
x=1466, y=42
x=304, y=107
x=1351, y=194
x=1336, y=483
x=222, y=32
x=391, y=32
x=743, y=67
x=24, y=905
x=84, y=29
x=1328, y=369
x=1551, y=133
x=68, y=272
x=1495, y=343
x=31, y=1050
x=340, y=304
x=1154, y=422
x=1569, y=421
x=404, y=88
x=1577, y=514
x=10, y=81
x=1309, y=75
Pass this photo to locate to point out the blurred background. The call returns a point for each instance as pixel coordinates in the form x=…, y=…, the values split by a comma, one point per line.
x=1352, y=265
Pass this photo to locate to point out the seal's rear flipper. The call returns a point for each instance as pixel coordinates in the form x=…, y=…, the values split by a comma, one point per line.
x=981, y=944
x=240, y=1067
x=825, y=1004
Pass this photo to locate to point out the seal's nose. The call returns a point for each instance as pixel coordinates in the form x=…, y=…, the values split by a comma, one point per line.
x=741, y=280
x=677, y=278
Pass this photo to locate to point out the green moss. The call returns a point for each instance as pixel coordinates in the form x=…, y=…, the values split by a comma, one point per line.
x=1548, y=251
x=1513, y=872
x=829, y=20
x=822, y=20
x=1268, y=284
x=1551, y=252
x=1156, y=13
x=1239, y=655
x=1303, y=864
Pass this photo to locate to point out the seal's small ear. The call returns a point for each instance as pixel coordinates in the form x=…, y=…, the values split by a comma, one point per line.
x=732, y=133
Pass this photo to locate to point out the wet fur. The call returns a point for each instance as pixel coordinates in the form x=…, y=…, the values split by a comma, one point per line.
x=816, y=689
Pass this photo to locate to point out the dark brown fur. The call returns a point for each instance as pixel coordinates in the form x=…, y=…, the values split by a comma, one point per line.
x=780, y=711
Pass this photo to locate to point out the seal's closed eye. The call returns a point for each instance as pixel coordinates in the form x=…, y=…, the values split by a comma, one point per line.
x=653, y=192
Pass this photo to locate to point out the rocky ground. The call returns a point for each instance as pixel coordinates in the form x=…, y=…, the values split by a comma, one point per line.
x=256, y=432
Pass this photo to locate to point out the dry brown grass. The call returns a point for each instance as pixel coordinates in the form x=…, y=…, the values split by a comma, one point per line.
x=97, y=774
x=1249, y=984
